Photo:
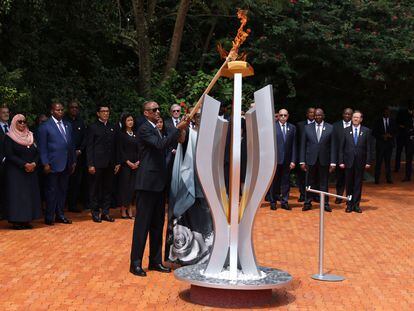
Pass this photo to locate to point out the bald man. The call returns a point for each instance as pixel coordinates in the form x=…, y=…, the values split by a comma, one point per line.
x=318, y=155
x=286, y=156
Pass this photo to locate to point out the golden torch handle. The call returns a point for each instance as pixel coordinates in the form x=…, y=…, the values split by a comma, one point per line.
x=208, y=89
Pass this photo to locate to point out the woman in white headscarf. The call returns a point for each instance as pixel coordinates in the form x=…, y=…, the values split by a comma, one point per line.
x=22, y=184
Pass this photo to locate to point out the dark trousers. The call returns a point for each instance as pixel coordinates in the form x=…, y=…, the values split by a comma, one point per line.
x=301, y=181
x=149, y=219
x=2, y=187
x=409, y=163
x=100, y=190
x=340, y=180
x=56, y=190
x=318, y=179
x=354, y=176
x=279, y=190
x=401, y=144
x=383, y=153
x=74, y=189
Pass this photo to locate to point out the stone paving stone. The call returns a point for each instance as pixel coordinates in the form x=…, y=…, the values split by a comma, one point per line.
x=85, y=266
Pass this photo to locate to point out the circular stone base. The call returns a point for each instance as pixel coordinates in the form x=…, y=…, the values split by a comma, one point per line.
x=231, y=298
x=220, y=292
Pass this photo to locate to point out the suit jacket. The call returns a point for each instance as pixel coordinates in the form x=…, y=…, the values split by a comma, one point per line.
x=54, y=149
x=311, y=150
x=170, y=128
x=78, y=132
x=300, y=127
x=100, y=145
x=359, y=154
x=338, y=128
x=2, y=137
x=286, y=149
x=152, y=171
x=379, y=130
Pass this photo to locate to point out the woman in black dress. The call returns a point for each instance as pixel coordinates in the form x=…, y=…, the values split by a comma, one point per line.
x=22, y=183
x=128, y=157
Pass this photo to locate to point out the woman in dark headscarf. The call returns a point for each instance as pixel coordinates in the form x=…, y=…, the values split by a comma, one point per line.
x=22, y=184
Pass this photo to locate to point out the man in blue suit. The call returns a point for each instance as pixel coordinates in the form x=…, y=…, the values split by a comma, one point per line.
x=318, y=155
x=57, y=154
x=286, y=157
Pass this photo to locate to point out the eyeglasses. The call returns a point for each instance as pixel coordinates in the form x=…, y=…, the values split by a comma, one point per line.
x=21, y=121
x=176, y=111
x=283, y=115
x=153, y=109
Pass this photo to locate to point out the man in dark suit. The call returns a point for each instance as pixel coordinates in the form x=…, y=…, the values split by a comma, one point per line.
x=286, y=157
x=409, y=146
x=57, y=154
x=318, y=155
x=338, y=133
x=402, y=123
x=102, y=164
x=150, y=185
x=4, y=128
x=354, y=157
x=78, y=138
x=301, y=176
x=384, y=132
x=170, y=125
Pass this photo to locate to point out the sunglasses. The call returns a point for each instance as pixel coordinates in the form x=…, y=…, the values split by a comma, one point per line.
x=176, y=111
x=21, y=122
x=153, y=109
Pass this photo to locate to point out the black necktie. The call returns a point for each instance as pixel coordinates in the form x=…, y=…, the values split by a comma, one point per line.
x=6, y=128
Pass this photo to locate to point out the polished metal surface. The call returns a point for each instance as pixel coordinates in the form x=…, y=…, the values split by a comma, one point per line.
x=261, y=166
x=321, y=276
x=195, y=275
x=328, y=277
x=234, y=185
x=212, y=178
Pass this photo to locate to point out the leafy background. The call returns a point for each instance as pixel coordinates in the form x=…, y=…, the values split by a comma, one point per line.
x=331, y=54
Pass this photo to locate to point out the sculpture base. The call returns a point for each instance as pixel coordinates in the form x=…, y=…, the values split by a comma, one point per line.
x=211, y=291
x=230, y=298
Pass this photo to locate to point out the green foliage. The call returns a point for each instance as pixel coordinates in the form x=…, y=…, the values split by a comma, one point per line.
x=328, y=53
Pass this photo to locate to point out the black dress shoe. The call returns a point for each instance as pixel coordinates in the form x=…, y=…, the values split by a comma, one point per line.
x=18, y=227
x=273, y=206
x=107, y=218
x=96, y=218
x=28, y=226
x=348, y=209
x=137, y=270
x=328, y=209
x=306, y=207
x=159, y=267
x=338, y=201
x=63, y=220
x=49, y=222
x=389, y=181
x=357, y=209
x=286, y=207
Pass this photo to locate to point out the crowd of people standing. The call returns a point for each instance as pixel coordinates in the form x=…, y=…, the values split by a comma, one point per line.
x=139, y=160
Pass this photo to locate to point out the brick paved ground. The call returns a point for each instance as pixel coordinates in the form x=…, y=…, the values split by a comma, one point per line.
x=85, y=266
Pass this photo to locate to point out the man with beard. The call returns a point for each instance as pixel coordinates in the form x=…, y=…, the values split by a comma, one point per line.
x=338, y=133
x=354, y=157
x=317, y=155
x=150, y=185
x=57, y=154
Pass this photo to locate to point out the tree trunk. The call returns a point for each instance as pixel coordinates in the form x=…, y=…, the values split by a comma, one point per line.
x=177, y=37
x=144, y=49
x=207, y=42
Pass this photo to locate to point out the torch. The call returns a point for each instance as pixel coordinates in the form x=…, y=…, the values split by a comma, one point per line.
x=230, y=60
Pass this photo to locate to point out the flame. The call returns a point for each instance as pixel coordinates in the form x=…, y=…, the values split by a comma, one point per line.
x=238, y=40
